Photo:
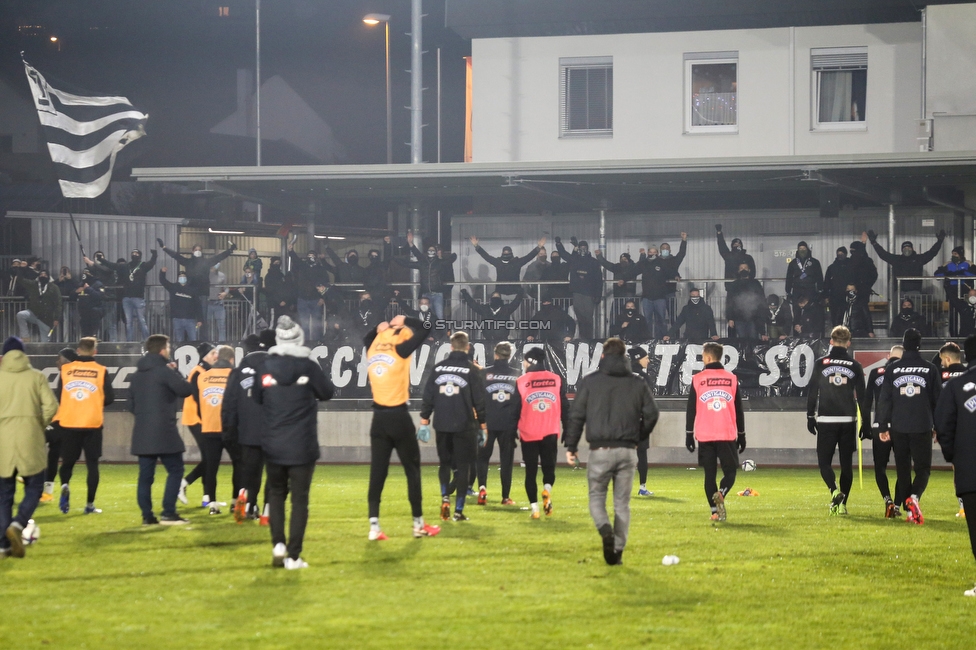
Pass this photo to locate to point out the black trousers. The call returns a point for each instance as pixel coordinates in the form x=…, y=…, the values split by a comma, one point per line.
x=53, y=438
x=969, y=503
x=456, y=449
x=912, y=449
x=391, y=429
x=535, y=453
x=642, y=461
x=840, y=437
x=212, y=449
x=196, y=472
x=506, y=450
x=282, y=480
x=882, y=455
x=252, y=467
x=73, y=442
x=710, y=454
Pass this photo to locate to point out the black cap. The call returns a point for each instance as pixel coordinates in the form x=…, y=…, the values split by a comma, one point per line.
x=636, y=353
x=842, y=249
x=204, y=349
x=506, y=249
x=912, y=340
x=583, y=243
x=267, y=338
x=535, y=355
x=251, y=343
x=803, y=244
x=907, y=243
x=961, y=250
x=68, y=354
x=856, y=245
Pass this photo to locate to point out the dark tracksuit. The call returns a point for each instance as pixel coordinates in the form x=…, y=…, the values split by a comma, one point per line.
x=507, y=270
x=955, y=424
x=881, y=450
x=909, y=394
x=836, y=388
x=502, y=411
x=494, y=318
x=699, y=322
x=242, y=421
x=455, y=393
x=586, y=285
x=645, y=443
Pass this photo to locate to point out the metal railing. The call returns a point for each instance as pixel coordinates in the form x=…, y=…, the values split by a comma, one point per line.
x=931, y=301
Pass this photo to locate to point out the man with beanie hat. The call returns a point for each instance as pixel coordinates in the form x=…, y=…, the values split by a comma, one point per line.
x=908, y=397
x=909, y=264
x=880, y=450
x=502, y=412
x=955, y=425
x=289, y=387
x=638, y=365
x=191, y=420
x=838, y=276
x=804, y=273
x=907, y=319
x=43, y=306
x=735, y=257
x=507, y=267
x=26, y=408
x=959, y=270
x=585, y=283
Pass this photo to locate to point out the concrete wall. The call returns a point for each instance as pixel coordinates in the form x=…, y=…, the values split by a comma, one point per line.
x=516, y=94
x=779, y=438
x=950, y=83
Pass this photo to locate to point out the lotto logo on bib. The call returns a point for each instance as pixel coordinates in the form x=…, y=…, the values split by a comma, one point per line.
x=80, y=390
x=716, y=400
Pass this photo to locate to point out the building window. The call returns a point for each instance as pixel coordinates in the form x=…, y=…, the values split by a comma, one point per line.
x=586, y=96
x=223, y=12
x=711, y=80
x=840, y=79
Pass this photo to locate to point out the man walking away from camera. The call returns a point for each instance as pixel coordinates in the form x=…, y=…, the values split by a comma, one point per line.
x=209, y=387
x=290, y=387
x=881, y=450
x=619, y=413
x=502, y=413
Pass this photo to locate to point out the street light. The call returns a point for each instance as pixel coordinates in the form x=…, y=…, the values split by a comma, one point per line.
x=373, y=20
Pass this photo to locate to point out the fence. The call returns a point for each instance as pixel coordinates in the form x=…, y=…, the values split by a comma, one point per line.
x=933, y=301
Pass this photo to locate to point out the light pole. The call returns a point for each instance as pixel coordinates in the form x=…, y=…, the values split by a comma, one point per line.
x=376, y=19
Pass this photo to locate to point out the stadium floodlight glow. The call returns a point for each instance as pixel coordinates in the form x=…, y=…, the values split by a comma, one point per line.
x=54, y=39
x=225, y=232
x=376, y=19
x=329, y=237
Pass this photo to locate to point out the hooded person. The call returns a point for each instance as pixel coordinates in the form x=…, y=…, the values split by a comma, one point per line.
x=198, y=268
x=907, y=319
x=43, y=306
x=556, y=271
x=909, y=263
x=803, y=272
x=495, y=314
x=346, y=271
x=132, y=274
x=864, y=274
x=435, y=270
x=624, y=275
x=289, y=387
x=746, y=305
x=585, y=283
x=697, y=318
x=839, y=275
x=639, y=362
x=253, y=264
x=91, y=296
x=780, y=322
x=508, y=268
x=734, y=257
x=958, y=282
x=27, y=406
x=630, y=325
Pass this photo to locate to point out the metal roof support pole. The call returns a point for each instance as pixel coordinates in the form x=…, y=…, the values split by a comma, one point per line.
x=603, y=247
x=257, y=85
x=418, y=241
x=892, y=282
x=416, y=83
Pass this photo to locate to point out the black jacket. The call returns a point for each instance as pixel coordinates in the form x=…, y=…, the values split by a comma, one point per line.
x=839, y=274
x=836, y=388
x=503, y=405
x=810, y=319
x=132, y=276
x=615, y=405
x=655, y=274
x=428, y=320
x=182, y=303
x=955, y=426
x=289, y=389
x=872, y=394
x=781, y=317
x=308, y=277
x=908, y=266
x=90, y=301
x=454, y=388
x=557, y=271
x=585, y=273
x=857, y=318
x=907, y=320
x=636, y=329
x=156, y=392
x=198, y=269
x=241, y=417
x=554, y=324
x=863, y=273
x=345, y=272
x=434, y=271
x=674, y=263
x=734, y=258
x=625, y=272
x=699, y=322
x=507, y=270
x=967, y=314
x=804, y=275
x=494, y=319
x=908, y=395
x=374, y=273
x=746, y=301
x=278, y=289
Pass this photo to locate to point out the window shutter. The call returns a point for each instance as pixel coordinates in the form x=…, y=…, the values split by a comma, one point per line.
x=839, y=58
x=586, y=95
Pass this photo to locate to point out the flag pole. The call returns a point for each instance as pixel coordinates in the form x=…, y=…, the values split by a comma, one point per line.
x=75, y=227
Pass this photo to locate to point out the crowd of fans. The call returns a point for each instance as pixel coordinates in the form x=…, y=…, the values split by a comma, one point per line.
x=563, y=308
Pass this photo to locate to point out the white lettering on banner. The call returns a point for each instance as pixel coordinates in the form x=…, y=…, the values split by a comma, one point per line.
x=693, y=362
x=579, y=363
x=51, y=374
x=773, y=354
x=121, y=380
x=362, y=370
x=731, y=358
x=418, y=363
x=186, y=356
x=442, y=352
x=800, y=352
x=318, y=353
x=666, y=351
x=479, y=354
x=340, y=377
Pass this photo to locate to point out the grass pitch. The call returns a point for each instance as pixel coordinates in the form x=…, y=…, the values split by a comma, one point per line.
x=779, y=573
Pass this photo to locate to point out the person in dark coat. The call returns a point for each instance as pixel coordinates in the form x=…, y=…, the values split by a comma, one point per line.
x=908, y=319
x=132, y=276
x=346, y=272
x=966, y=308
x=289, y=388
x=909, y=264
x=156, y=392
x=624, y=274
x=955, y=427
x=507, y=267
x=585, y=283
x=279, y=291
x=91, y=296
x=864, y=274
x=857, y=318
x=804, y=273
x=808, y=317
x=839, y=275
x=423, y=313
x=242, y=418
x=958, y=274
x=780, y=322
x=556, y=271
x=198, y=267
x=657, y=278
x=374, y=273
x=556, y=327
x=495, y=314
x=630, y=325
x=746, y=305
x=434, y=271
x=502, y=410
x=697, y=318
x=734, y=257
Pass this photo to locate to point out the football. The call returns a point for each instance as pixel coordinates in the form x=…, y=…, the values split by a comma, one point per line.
x=32, y=533
x=749, y=465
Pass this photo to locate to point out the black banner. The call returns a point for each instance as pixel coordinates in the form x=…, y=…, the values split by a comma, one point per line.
x=767, y=369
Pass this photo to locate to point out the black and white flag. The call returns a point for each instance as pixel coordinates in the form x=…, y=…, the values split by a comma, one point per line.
x=84, y=134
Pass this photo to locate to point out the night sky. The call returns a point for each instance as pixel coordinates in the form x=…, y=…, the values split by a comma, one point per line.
x=177, y=60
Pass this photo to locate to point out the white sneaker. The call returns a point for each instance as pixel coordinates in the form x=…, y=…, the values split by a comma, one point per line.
x=377, y=536
x=278, y=555
x=181, y=495
x=291, y=564
x=970, y=592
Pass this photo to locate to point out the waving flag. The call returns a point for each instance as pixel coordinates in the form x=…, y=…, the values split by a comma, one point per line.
x=84, y=134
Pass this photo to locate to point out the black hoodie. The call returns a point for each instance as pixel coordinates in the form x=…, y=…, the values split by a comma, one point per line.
x=836, y=388
x=504, y=405
x=156, y=393
x=955, y=423
x=289, y=389
x=615, y=405
x=242, y=418
x=909, y=394
x=455, y=392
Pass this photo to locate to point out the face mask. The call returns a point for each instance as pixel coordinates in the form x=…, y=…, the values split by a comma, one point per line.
x=540, y=258
x=584, y=250
x=197, y=253
x=555, y=259
x=495, y=303
x=431, y=254
x=373, y=258
x=695, y=300
x=182, y=279
x=424, y=308
x=136, y=258
x=842, y=257
x=248, y=276
x=353, y=259
x=907, y=252
x=905, y=311
x=276, y=265
x=744, y=274
x=736, y=247
x=802, y=253
x=365, y=305
x=773, y=307
x=851, y=296
x=665, y=252
x=972, y=300
x=507, y=257
x=311, y=260
x=956, y=259
x=652, y=256
x=99, y=258
x=630, y=312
